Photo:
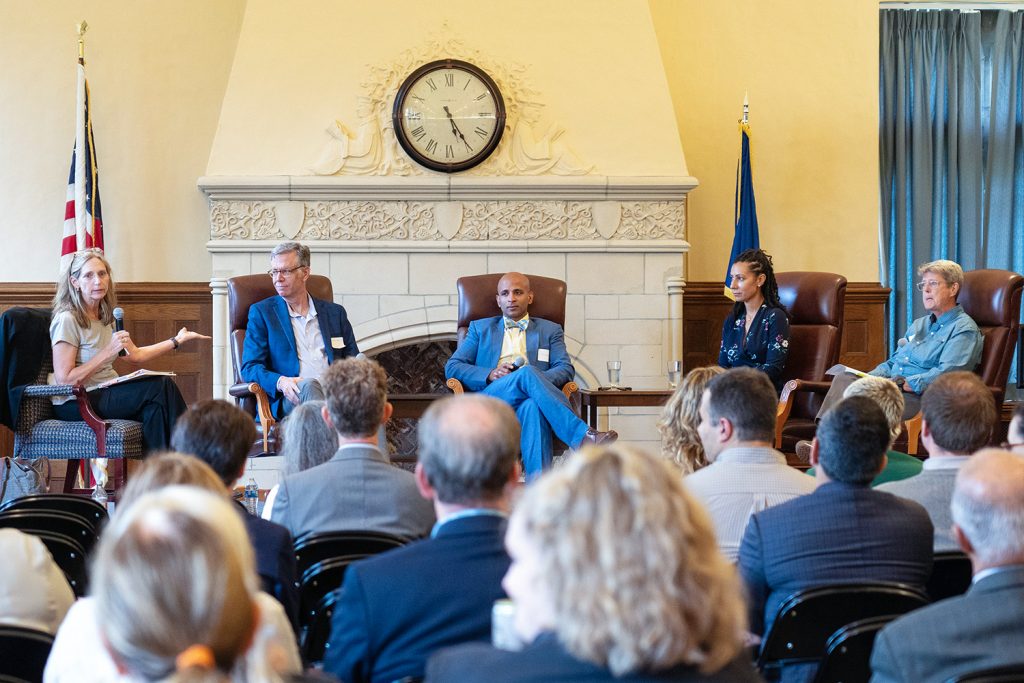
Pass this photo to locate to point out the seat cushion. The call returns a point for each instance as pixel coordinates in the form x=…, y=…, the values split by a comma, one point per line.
x=62, y=440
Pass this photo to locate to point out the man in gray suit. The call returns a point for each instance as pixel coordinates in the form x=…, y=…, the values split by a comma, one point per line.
x=958, y=413
x=357, y=489
x=984, y=628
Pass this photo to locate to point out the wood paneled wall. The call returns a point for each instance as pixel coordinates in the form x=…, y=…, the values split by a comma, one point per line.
x=705, y=308
x=153, y=311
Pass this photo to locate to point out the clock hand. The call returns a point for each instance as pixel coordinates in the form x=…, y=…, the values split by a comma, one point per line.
x=455, y=129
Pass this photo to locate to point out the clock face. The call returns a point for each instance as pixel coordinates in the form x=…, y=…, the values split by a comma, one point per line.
x=448, y=115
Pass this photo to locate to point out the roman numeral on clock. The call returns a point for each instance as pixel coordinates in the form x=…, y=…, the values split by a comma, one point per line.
x=432, y=146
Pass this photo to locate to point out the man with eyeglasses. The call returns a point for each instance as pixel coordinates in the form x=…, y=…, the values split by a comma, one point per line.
x=292, y=338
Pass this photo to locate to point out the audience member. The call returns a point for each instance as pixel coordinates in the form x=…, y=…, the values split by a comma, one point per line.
x=220, y=434
x=291, y=338
x=958, y=413
x=680, y=440
x=33, y=591
x=1015, y=433
x=398, y=608
x=358, y=488
x=889, y=398
x=985, y=627
x=488, y=360
x=737, y=429
x=844, y=532
x=304, y=440
x=755, y=334
x=79, y=654
x=616, y=577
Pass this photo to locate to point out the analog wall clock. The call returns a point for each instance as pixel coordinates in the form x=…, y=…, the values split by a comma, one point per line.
x=448, y=115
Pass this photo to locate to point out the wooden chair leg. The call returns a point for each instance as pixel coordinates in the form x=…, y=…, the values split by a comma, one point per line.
x=70, y=475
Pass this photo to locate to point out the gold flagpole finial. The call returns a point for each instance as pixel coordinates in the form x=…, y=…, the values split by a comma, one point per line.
x=80, y=28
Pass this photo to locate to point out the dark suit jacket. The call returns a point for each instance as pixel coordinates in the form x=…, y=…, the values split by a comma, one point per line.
x=275, y=561
x=546, y=660
x=270, y=350
x=479, y=352
x=24, y=345
x=357, y=489
x=398, y=608
x=979, y=630
x=839, y=533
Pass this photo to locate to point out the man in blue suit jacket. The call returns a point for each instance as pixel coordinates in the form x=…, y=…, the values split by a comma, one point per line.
x=396, y=609
x=842, y=532
x=291, y=338
x=523, y=361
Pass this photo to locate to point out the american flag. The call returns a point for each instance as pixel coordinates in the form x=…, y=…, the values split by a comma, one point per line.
x=83, y=222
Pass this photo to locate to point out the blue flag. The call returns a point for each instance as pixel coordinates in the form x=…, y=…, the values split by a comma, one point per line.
x=745, y=214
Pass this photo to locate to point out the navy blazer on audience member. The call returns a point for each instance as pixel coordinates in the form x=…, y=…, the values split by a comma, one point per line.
x=546, y=660
x=275, y=561
x=399, y=607
x=839, y=533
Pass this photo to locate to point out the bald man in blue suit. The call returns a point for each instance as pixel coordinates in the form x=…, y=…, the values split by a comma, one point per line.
x=486, y=361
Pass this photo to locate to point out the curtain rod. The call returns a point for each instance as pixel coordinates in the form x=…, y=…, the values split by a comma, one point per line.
x=963, y=6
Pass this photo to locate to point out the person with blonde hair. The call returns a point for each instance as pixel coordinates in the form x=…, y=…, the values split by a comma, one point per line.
x=165, y=583
x=616, y=576
x=680, y=440
x=85, y=347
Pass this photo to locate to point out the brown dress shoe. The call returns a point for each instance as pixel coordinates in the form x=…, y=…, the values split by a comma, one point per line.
x=596, y=438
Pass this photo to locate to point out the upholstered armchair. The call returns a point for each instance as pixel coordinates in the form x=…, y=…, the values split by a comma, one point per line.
x=243, y=292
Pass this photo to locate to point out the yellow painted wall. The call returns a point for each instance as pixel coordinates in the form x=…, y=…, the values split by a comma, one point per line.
x=811, y=69
x=157, y=71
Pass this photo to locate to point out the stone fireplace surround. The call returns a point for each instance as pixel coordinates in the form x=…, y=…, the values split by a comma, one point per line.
x=394, y=246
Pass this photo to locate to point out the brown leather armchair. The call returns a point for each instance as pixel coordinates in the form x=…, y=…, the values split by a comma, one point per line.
x=477, y=300
x=243, y=292
x=815, y=303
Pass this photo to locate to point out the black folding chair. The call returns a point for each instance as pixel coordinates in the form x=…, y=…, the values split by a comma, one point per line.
x=318, y=632
x=848, y=652
x=808, y=618
x=319, y=580
x=65, y=523
x=316, y=547
x=1011, y=673
x=23, y=653
x=61, y=502
x=70, y=557
x=951, y=575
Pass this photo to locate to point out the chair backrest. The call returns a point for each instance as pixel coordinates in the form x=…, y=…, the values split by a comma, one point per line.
x=992, y=299
x=61, y=502
x=70, y=557
x=244, y=291
x=807, y=619
x=23, y=653
x=848, y=652
x=33, y=521
x=477, y=299
x=1012, y=673
x=319, y=580
x=316, y=547
x=951, y=575
x=318, y=631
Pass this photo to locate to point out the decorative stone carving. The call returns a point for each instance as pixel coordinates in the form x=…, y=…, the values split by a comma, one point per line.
x=444, y=221
x=372, y=149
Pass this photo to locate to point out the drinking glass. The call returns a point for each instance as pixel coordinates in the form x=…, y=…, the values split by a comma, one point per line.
x=614, y=373
x=675, y=373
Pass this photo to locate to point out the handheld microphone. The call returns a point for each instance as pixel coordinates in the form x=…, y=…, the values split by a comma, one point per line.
x=519, y=362
x=119, y=325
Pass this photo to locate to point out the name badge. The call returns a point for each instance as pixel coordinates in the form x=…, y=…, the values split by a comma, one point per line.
x=337, y=342
x=543, y=355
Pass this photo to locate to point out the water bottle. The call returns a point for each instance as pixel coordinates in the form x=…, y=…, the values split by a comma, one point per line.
x=252, y=496
x=99, y=494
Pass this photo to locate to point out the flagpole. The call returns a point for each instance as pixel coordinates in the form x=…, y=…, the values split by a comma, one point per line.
x=746, y=109
x=80, y=28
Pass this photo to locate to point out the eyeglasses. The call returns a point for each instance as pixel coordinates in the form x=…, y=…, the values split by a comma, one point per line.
x=928, y=284
x=274, y=272
x=1007, y=446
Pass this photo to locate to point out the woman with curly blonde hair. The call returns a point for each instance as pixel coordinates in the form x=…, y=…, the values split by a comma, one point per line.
x=680, y=442
x=616, y=576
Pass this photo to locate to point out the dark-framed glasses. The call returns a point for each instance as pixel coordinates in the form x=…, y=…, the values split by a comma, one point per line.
x=1007, y=446
x=274, y=272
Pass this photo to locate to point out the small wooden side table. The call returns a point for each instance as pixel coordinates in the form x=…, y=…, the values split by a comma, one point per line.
x=592, y=399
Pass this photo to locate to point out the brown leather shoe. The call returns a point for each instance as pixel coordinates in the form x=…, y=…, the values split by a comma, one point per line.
x=596, y=438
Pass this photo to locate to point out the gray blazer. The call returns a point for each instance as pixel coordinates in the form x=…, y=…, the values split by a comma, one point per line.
x=979, y=630
x=933, y=489
x=357, y=489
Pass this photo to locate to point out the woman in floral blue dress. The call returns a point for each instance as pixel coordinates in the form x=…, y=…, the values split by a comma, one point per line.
x=756, y=332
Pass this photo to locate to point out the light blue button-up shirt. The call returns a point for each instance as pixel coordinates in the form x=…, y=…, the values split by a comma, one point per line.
x=933, y=346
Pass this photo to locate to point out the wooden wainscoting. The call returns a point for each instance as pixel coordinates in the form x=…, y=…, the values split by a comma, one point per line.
x=153, y=311
x=705, y=308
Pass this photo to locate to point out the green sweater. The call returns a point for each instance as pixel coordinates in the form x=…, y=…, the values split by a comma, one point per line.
x=899, y=466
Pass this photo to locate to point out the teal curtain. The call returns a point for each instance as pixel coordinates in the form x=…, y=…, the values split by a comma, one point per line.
x=950, y=145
